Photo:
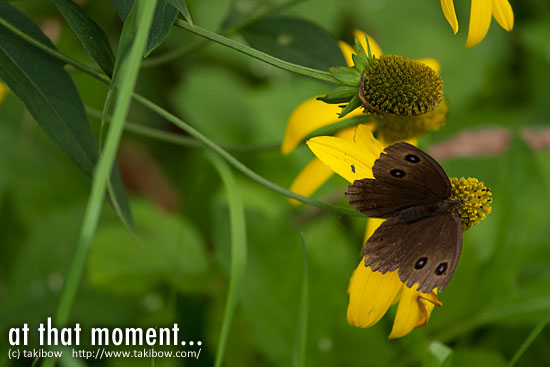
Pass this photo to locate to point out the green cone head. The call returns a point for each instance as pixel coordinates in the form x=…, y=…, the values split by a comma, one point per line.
x=397, y=86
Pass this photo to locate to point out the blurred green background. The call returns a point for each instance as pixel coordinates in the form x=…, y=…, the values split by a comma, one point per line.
x=501, y=287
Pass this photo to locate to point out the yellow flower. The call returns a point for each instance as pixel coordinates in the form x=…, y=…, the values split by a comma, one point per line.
x=314, y=114
x=3, y=91
x=372, y=293
x=481, y=12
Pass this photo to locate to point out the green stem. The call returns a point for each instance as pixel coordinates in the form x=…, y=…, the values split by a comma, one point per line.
x=237, y=164
x=173, y=54
x=195, y=133
x=285, y=65
x=179, y=139
x=179, y=52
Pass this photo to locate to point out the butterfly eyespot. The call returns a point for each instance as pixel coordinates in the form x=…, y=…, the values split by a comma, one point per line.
x=420, y=263
x=441, y=269
x=412, y=158
x=397, y=173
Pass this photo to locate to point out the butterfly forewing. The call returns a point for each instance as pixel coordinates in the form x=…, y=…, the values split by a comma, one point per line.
x=404, y=177
x=425, y=251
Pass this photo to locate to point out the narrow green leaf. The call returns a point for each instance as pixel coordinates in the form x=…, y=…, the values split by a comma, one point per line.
x=165, y=15
x=529, y=340
x=89, y=33
x=238, y=248
x=295, y=40
x=299, y=355
x=182, y=7
x=360, y=59
x=128, y=76
x=48, y=92
x=439, y=355
x=353, y=104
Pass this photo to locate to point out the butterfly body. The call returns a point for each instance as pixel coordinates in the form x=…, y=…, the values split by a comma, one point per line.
x=422, y=236
x=418, y=212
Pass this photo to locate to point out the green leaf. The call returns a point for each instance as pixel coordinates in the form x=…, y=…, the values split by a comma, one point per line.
x=89, y=33
x=163, y=19
x=341, y=94
x=360, y=59
x=172, y=253
x=51, y=97
x=439, y=355
x=529, y=340
x=353, y=104
x=346, y=75
x=299, y=356
x=182, y=7
x=295, y=40
x=238, y=248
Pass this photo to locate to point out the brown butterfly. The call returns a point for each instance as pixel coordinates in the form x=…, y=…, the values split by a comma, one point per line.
x=422, y=236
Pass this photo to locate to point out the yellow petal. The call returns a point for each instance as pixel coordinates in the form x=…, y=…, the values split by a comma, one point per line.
x=3, y=91
x=480, y=20
x=347, y=158
x=308, y=117
x=364, y=137
x=432, y=63
x=347, y=50
x=372, y=225
x=503, y=13
x=414, y=310
x=316, y=173
x=370, y=295
x=448, y=8
x=374, y=47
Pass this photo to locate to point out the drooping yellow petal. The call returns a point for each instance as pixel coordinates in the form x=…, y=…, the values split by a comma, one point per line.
x=448, y=8
x=348, y=50
x=347, y=158
x=308, y=117
x=480, y=20
x=503, y=13
x=310, y=178
x=3, y=91
x=432, y=63
x=316, y=173
x=370, y=295
x=414, y=310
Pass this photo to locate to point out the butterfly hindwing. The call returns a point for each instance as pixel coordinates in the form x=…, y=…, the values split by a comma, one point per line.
x=425, y=251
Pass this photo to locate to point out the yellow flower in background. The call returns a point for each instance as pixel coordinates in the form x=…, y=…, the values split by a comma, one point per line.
x=372, y=293
x=3, y=91
x=481, y=12
x=314, y=114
